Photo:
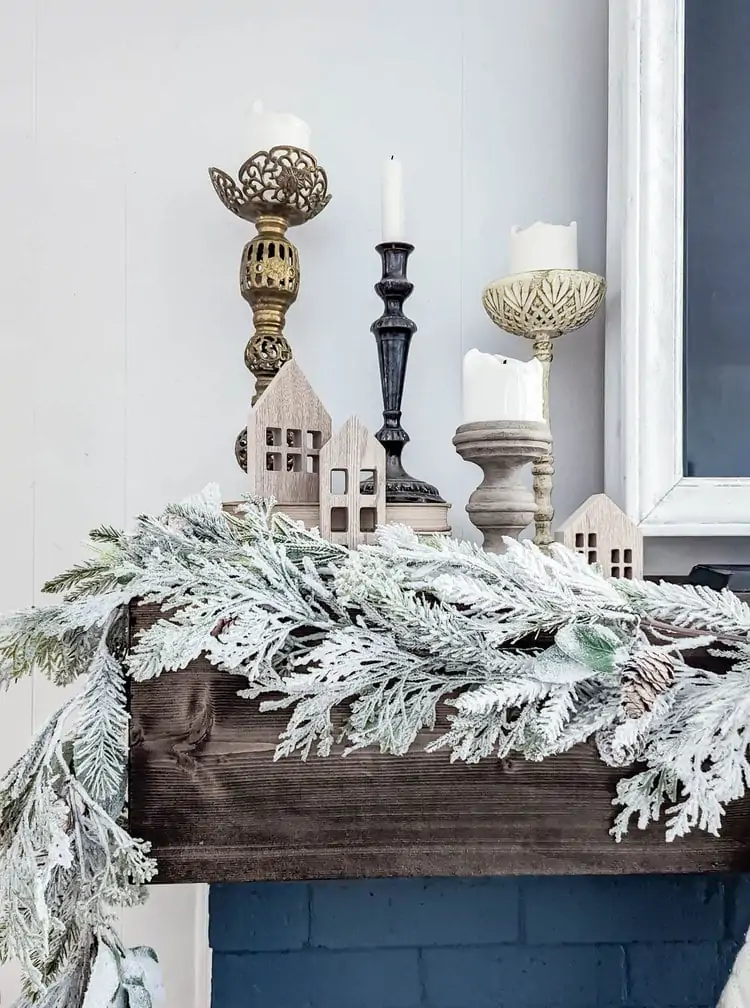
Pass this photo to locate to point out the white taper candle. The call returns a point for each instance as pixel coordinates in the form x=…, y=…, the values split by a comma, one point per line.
x=393, y=201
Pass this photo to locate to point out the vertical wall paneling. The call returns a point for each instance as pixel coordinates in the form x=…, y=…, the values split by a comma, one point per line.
x=17, y=306
x=79, y=336
x=17, y=319
x=534, y=129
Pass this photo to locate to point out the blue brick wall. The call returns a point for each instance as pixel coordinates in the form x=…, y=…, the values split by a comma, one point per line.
x=589, y=942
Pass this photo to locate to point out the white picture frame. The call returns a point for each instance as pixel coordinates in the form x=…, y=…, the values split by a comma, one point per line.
x=644, y=470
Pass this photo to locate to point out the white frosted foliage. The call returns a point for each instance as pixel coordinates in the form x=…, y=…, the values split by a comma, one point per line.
x=533, y=652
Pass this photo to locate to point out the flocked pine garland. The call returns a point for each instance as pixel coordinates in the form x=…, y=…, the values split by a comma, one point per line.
x=533, y=653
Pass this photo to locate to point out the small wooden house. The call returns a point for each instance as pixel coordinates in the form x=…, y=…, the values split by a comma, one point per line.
x=319, y=480
x=286, y=429
x=352, y=458
x=605, y=535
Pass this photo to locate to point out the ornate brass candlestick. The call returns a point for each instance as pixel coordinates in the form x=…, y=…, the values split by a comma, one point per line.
x=393, y=332
x=541, y=306
x=277, y=189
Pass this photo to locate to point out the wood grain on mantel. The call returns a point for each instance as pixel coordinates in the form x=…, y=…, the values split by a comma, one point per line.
x=204, y=789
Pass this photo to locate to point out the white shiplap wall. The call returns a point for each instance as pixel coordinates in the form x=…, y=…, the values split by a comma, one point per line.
x=121, y=329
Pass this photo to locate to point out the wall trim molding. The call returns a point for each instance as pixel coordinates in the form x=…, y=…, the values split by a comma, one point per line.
x=202, y=956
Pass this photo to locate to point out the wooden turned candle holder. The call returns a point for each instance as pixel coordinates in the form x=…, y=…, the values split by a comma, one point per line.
x=501, y=505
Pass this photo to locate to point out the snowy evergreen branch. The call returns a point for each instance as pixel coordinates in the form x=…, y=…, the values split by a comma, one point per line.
x=689, y=606
x=523, y=653
x=493, y=719
x=100, y=741
x=697, y=754
x=63, y=862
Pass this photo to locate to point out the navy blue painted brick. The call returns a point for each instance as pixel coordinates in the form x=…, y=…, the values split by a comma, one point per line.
x=256, y=918
x=317, y=979
x=519, y=977
x=424, y=912
x=579, y=925
x=738, y=896
x=727, y=956
x=674, y=975
x=623, y=909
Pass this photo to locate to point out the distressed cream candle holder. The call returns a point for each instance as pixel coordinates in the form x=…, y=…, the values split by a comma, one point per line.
x=501, y=505
x=541, y=306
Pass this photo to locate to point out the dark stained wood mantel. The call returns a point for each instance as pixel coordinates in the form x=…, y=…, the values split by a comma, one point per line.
x=204, y=789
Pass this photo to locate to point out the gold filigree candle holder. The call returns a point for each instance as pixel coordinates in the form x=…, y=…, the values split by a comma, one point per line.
x=541, y=306
x=275, y=189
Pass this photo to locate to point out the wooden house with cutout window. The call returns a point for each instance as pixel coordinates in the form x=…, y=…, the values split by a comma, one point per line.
x=604, y=535
x=286, y=429
x=352, y=485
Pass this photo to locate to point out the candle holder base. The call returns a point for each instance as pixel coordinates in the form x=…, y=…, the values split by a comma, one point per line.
x=501, y=505
x=401, y=488
x=411, y=491
x=240, y=449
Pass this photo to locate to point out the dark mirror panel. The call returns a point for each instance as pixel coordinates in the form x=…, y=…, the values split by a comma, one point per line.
x=717, y=238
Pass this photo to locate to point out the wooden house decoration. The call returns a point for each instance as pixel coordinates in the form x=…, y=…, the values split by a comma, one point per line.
x=604, y=534
x=289, y=445
x=287, y=427
x=352, y=458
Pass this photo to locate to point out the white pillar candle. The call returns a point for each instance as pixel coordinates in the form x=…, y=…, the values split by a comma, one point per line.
x=277, y=129
x=393, y=201
x=543, y=246
x=501, y=388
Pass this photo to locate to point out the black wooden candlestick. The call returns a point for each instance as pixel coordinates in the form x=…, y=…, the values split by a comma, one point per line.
x=393, y=332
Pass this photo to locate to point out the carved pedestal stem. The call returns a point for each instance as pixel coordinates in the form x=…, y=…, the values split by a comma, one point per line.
x=501, y=505
x=269, y=282
x=543, y=469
